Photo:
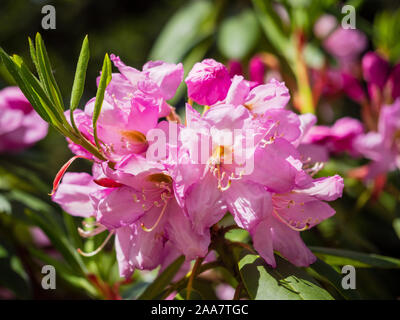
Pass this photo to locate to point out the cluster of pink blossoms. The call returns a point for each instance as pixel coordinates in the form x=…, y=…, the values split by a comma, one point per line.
x=162, y=207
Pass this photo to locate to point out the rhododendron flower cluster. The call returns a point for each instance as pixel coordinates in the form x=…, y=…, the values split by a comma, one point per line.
x=20, y=125
x=163, y=185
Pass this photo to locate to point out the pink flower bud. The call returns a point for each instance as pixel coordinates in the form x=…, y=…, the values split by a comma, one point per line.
x=257, y=70
x=375, y=69
x=353, y=88
x=208, y=82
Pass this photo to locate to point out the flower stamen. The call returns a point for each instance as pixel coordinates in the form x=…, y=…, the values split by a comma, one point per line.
x=93, y=253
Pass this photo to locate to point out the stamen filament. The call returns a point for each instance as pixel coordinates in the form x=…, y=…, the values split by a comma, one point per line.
x=289, y=225
x=158, y=219
x=91, y=233
x=93, y=253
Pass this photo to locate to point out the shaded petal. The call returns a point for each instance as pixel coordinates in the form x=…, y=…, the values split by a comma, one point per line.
x=274, y=94
x=167, y=76
x=274, y=168
x=204, y=205
x=73, y=194
x=248, y=202
x=289, y=243
x=180, y=231
x=123, y=244
x=121, y=207
x=262, y=242
x=238, y=91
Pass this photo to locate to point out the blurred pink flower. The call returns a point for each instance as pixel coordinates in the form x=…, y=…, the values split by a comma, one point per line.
x=20, y=125
x=337, y=138
x=224, y=291
x=383, y=146
x=345, y=44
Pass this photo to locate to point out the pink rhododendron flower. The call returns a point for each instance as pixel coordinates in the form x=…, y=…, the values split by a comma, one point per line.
x=325, y=25
x=133, y=103
x=136, y=202
x=394, y=82
x=345, y=44
x=375, y=69
x=235, y=68
x=254, y=198
x=272, y=95
x=246, y=155
x=20, y=125
x=337, y=138
x=208, y=82
x=383, y=146
x=257, y=70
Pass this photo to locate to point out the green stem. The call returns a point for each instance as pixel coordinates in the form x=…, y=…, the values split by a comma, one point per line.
x=192, y=276
x=182, y=283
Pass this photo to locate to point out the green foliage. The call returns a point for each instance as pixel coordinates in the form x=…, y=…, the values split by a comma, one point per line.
x=386, y=30
x=238, y=35
x=153, y=290
x=340, y=257
x=285, y=282
x=187, y=27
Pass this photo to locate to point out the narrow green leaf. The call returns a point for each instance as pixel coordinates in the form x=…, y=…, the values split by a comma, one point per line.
x=80, y=75
x=238, y=35
x=13, y=69
x=285, y=282
x=272, y=27
x=32, y=52
x=164, y=279
x=340, y=257
x=46, y=74
x=331, y=276
x=45, y=105
x=104, y=81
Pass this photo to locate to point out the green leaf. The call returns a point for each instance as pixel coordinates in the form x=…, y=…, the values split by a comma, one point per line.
x=13, y=69
x=386, y=29
x=238, y=35
x=396, y=226
x=134, y=290
x=44, y=105
x=164, y=279
x=46, y=74
x=60, y=242
x=5, y=205
x=72, y=230
x=183, y=31
x=330, y=275
x=65, y=272
x=32, y=52
x=13, y=276
x=80, y=75
x=285, y=282
x=272, y=27
x=340, y=257
x=104, y=81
